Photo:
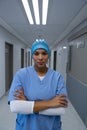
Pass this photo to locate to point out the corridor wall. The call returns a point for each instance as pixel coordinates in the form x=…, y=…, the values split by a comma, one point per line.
x=77, y=75
x=72, y=64
x=5, y=36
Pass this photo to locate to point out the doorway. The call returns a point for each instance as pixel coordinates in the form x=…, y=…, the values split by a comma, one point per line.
x=22, y=57
x=8, y=65
x=55, y=58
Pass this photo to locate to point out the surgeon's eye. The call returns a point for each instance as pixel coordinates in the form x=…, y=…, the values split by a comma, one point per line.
x=36, y=53
x=44, y=53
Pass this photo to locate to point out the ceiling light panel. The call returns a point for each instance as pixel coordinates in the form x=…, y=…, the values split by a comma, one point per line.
x=36, y=11
x=44, y=11
x=28, y=11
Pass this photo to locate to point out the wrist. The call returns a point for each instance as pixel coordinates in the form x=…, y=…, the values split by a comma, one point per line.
x=41, y=105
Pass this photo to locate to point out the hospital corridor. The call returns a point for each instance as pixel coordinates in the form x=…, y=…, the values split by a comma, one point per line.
x=62, y=25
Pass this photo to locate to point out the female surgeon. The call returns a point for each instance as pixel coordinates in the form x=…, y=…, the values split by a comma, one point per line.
x=38, y=93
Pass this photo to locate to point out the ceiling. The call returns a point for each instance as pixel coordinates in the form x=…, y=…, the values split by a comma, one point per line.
x=63, y=16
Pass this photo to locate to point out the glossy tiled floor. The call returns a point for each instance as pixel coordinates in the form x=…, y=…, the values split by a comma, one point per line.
x=70, y=120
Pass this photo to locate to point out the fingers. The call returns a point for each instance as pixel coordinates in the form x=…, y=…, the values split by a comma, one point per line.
x=63, y=103
x=62, y=100
x=19, y=95
x=62, y=97
x=21, y=91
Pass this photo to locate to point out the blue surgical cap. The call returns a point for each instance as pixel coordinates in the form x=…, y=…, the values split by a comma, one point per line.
x=40, y=44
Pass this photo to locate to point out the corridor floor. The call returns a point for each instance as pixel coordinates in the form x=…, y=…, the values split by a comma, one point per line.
x=70, y=120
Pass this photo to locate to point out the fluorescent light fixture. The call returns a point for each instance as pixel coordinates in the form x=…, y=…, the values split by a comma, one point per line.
x=27, y=10
x=36, y=11
x=64, y=47
x=44, y=11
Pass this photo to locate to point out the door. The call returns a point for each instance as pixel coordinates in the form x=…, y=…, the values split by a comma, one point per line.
x=55, y=58
x=8, y=65
x=22, y=57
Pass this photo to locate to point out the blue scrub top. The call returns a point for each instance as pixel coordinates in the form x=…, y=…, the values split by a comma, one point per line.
x=35, y=90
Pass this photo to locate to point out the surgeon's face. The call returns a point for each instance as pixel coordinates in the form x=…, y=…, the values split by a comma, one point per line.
x=40, y=58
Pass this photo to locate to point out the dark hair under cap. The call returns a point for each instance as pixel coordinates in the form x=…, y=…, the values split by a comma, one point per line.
x=40, y=44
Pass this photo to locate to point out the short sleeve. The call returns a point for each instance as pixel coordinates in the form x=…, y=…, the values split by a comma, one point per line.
x=61, y=86
x=15, y=85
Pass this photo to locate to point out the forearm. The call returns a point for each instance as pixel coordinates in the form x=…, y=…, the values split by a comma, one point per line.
x=48, y=108
x=53, y=111
x=21, y=106
x=56, y=102
x=41, y=105
x=27, y=107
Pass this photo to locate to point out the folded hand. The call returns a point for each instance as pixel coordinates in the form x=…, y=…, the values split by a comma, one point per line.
x=19, y=95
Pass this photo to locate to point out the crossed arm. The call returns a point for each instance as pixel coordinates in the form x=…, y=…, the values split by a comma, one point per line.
x=54, y=106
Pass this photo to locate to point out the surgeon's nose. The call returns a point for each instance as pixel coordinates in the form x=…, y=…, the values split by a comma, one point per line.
x=40, y=56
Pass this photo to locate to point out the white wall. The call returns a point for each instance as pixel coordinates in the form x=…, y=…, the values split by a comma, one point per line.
x=62, y=55
x=5, y=36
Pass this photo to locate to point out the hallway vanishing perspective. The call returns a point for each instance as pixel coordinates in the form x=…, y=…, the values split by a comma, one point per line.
x=65, y=31
x=70, y=121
